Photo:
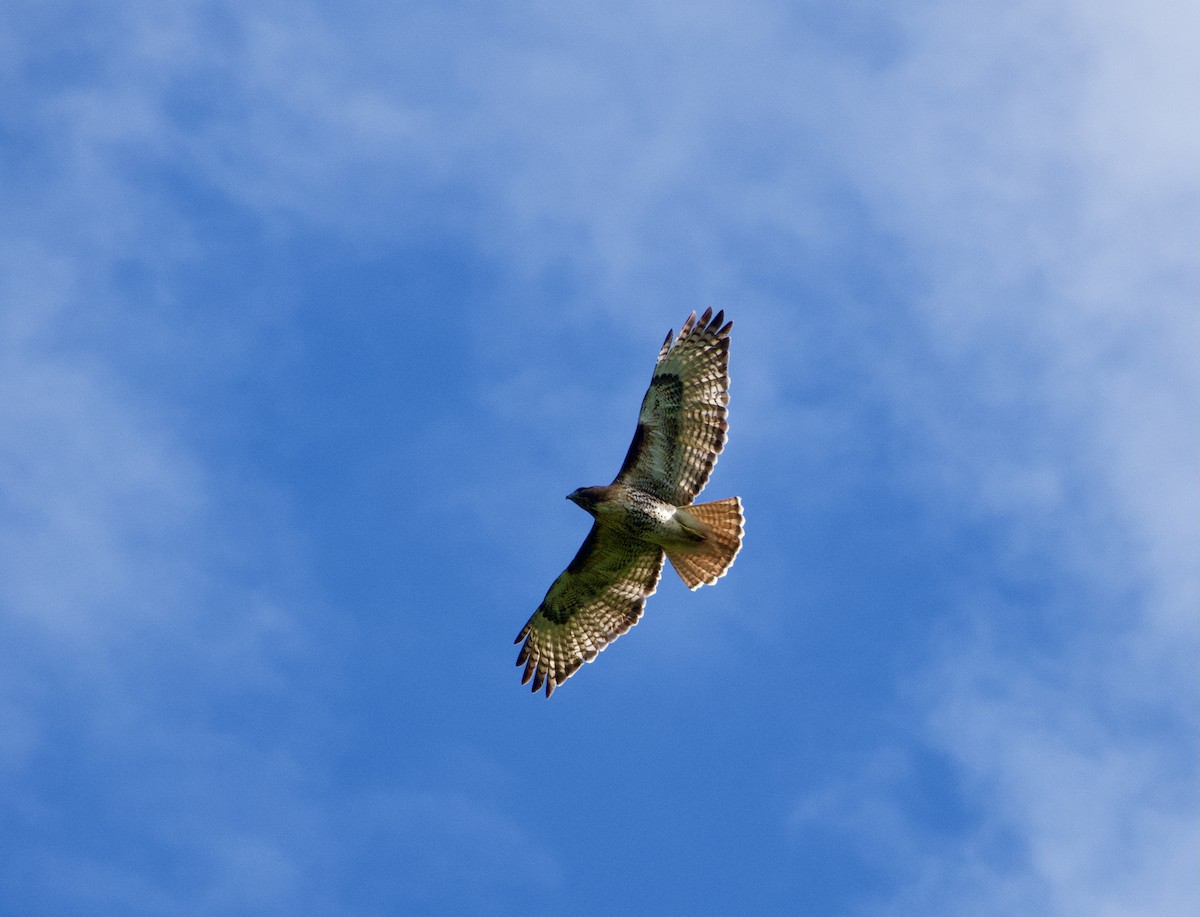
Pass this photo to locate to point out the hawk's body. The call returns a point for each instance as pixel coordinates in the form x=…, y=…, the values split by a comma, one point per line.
x=647, y=511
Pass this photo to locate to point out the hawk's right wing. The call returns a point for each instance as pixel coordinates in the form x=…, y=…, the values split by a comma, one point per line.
x=682, y=428
x=596, y=599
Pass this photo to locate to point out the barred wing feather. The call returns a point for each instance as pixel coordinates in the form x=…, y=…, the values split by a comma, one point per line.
x=682, y=427
x=597, y=598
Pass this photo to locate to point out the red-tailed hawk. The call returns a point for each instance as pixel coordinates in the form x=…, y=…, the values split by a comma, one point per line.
x=646, y=511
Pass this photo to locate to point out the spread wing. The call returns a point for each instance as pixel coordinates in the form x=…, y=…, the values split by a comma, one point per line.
x=681, y=428
x=596, y=599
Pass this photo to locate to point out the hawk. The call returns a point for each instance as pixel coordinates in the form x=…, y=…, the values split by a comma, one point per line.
x=646, y=512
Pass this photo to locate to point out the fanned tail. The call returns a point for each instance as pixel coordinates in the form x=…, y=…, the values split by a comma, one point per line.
x=708, y=561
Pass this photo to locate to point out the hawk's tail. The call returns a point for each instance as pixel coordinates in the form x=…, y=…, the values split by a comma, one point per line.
x=707, y=561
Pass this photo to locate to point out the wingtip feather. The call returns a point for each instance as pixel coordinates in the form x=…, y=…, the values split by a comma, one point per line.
x=687, y=326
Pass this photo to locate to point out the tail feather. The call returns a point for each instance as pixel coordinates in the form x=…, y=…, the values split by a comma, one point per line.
x=709, y=560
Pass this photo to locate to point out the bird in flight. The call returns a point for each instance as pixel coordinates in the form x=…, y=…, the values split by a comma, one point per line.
x=646, y=512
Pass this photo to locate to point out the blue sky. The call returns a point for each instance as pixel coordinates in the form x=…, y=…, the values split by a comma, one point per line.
x=312, y=313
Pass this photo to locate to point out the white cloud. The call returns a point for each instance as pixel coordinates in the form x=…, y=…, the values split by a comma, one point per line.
x=125, y=620
x=136, y=594
x=145, y=590
x=1104, y=807
x=1042, y=167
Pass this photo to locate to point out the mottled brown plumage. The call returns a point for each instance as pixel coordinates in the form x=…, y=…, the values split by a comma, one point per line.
x=646, y=512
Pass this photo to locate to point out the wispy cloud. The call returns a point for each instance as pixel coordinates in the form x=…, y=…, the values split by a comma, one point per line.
x=165, y=644
x=1061, y=303
x=131, y=615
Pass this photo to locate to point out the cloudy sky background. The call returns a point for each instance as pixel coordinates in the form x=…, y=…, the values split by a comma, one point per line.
x=310, y=314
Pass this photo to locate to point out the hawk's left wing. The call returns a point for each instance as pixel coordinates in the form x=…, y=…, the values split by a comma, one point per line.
x=596, y=599
x=682, y=428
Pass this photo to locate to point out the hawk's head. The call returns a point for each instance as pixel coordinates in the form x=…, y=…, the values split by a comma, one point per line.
x=586, y=498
